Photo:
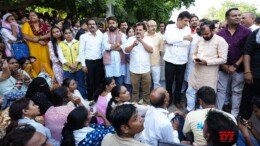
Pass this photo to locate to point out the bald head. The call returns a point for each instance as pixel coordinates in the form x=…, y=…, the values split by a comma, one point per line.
x=151, y=22
x=159, y=97
x=152, y=26
x=248, y=19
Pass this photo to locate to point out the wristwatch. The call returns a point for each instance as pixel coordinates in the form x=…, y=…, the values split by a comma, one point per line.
x=235, y=65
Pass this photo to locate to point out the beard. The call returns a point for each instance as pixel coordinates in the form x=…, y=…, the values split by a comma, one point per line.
x=194, y=25
x=123, y=29
x=112, y=28
x=208, y=38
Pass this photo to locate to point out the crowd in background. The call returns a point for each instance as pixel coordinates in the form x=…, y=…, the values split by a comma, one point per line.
x=190, y=81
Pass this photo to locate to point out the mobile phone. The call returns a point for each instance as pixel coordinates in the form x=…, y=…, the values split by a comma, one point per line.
x=197, y=60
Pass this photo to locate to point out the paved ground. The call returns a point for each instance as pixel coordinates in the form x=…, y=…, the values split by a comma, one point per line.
x=172, y=107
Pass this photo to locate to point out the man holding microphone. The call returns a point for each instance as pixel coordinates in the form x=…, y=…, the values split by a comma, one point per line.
x=140, y=47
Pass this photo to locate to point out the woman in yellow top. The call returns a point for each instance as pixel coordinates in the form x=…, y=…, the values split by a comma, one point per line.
x=68, y=53
x=37, y=35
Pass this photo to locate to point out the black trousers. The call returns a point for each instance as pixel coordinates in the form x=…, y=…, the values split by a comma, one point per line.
x=173, y=71
x=95, y=75
x=249, y=92
x=256, y=87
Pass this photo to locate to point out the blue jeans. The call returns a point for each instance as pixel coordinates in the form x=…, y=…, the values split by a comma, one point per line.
x=241, y=140
x=78, y=76
x=119, y=80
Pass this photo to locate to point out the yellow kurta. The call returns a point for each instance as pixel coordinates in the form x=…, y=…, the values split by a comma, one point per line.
x=38, y=51
x=158, y=47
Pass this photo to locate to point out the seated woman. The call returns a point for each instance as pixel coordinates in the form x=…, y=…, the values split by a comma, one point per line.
x=68, y=53
x=4, y=68
x=71, y=84
x=39, y=92
x=103, y=95
x=25, y=64
x=78, y=131
x=24, y=111
x=56, y=115
x=68, y=97
x=4, y=114
x=120, y=96
x=15, y=86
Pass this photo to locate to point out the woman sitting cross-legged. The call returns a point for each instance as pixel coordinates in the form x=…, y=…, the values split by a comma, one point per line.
x=78, y=131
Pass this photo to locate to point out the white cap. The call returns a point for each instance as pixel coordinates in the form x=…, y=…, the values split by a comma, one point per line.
x=6, y=16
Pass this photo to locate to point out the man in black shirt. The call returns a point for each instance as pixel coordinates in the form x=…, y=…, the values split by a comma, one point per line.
x=252, y=73
x=83, y=28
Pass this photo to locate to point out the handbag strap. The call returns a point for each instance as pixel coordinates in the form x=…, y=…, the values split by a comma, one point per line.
x=6, y=28
x=19, y=36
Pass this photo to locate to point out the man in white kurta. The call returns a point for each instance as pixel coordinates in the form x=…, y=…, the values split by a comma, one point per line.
x=113, y=56
x=211, y=51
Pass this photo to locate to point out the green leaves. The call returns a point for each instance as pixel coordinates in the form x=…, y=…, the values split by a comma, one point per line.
x=219, y=14
x=138, y=10
x=130, y=10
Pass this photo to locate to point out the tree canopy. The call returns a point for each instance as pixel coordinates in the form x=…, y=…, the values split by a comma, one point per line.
x=219, y=14
x=129, y=10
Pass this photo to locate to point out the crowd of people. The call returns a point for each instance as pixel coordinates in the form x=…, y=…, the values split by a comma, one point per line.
x=65, y=83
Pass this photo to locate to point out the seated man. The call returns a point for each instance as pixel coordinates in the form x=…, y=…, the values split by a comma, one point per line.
x=127, y=124
x=157, y=125
x=194, y=120
x=250, y=130
x=219, y=129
